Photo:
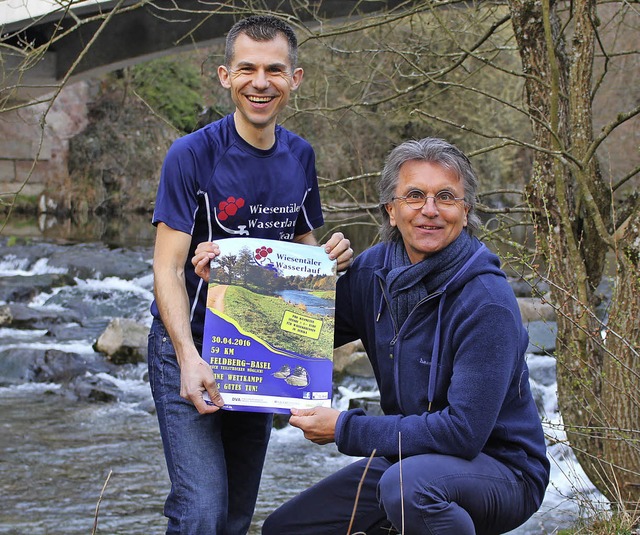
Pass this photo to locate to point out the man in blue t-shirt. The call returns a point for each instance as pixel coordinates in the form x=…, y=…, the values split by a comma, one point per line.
x=243, y=175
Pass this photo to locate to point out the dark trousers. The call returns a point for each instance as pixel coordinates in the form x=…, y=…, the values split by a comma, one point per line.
x=438, y=495
x=214, y=461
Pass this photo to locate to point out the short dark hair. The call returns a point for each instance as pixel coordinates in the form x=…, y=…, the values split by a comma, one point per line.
x=436, y=151
x=261, y=28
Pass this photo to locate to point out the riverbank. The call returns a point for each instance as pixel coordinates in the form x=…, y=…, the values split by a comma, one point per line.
x=59, y=443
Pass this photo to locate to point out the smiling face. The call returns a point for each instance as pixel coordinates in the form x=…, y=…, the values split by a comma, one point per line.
x=431, y=228
x=260, y=78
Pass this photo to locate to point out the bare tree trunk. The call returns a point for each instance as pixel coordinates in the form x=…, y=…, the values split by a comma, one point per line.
x=621, y=370
x=597, y=382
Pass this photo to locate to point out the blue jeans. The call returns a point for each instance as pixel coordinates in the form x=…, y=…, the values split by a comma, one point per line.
x=439, y=495
x=214, y=461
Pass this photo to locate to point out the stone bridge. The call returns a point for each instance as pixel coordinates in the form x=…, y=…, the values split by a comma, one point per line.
x=135, y=31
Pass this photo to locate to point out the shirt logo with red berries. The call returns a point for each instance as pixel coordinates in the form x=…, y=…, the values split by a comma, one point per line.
x=227, y=209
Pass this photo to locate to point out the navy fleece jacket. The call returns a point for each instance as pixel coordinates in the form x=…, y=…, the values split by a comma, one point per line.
x=479, y=400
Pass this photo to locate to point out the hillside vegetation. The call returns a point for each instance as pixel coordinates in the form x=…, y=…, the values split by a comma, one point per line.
x=259, y=313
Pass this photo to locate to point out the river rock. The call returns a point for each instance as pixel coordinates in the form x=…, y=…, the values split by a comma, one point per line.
x=16, y=364
x=54, y=366
x=124, y=341
x=31, y=318
x=95, y=261
x=148, y=405
x=351, y=359
x=536, y=309
x=528, y=288
x=84, y=261
x=5, y=315
x=95, y=388
x=22, y=288
x=370, y=405
x=24, y=254
x=280, y=420
x=542, y=337
x=70, y=331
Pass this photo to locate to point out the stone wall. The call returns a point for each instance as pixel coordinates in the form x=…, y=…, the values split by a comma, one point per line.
x=32, y=158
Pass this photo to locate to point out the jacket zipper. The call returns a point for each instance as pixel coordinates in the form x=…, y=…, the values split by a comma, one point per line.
x=394, y=340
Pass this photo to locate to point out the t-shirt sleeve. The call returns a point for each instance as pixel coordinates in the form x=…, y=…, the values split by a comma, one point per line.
x=311, y=212
x=176, y=200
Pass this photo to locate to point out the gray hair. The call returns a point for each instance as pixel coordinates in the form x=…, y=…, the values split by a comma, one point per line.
x=436, y=151
x=261, y=28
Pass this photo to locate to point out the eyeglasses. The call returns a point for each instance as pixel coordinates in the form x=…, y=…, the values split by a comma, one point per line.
x=417, y=199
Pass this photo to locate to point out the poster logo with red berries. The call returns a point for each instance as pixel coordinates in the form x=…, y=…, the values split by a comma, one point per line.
x=261, y=255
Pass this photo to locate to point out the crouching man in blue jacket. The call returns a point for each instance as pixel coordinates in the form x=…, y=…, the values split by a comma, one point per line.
x=460, y=449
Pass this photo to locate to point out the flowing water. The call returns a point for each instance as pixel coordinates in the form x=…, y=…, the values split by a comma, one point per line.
x=57, y=452
x=312, y=303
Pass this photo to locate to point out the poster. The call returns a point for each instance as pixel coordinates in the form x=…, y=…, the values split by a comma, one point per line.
x=268, y=332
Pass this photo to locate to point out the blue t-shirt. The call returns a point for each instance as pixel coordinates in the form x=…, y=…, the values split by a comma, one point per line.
x=215, y=185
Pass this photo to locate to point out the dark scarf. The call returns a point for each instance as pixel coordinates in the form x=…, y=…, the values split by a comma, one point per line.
x=410, y=283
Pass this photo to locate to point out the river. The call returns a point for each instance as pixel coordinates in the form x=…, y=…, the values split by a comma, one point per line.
x=57, y=451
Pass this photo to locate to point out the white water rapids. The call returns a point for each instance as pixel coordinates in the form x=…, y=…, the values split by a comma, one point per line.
x=56, y=452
